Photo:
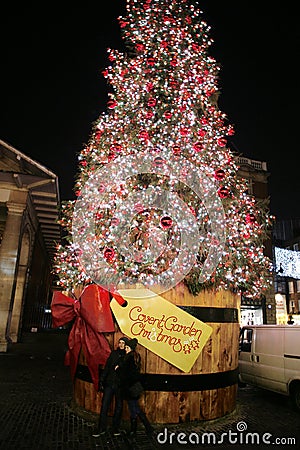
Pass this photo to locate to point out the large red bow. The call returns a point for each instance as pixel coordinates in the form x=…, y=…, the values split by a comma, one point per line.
x=93, y=317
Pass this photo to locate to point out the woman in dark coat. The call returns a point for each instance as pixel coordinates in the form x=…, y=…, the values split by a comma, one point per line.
x=129, y=372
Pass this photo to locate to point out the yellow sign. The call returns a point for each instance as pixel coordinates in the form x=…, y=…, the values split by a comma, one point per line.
x=161, y=327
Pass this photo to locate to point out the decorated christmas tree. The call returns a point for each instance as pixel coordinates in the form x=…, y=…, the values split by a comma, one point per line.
x=159, y=199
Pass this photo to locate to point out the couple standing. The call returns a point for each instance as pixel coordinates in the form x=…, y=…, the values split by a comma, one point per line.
x=121, y=371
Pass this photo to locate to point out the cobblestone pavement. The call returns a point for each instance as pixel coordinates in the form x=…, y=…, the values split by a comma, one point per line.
x=36, y=412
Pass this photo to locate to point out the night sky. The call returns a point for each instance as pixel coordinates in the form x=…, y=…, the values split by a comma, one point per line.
x=52, y=89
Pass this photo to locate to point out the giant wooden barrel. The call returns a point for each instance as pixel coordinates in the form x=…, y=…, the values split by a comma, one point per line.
x=209, y=390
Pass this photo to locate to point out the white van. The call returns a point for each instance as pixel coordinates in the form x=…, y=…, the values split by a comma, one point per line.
x=269, y=357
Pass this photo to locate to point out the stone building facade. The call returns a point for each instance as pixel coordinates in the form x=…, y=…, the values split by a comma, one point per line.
x=29, y=201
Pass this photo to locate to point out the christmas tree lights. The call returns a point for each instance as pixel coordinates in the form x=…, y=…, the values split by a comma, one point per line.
x=158, y=196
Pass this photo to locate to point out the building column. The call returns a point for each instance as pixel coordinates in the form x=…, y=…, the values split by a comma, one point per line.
x=8, y=259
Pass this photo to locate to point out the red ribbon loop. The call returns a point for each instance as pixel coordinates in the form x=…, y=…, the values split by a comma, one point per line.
x=93, y=317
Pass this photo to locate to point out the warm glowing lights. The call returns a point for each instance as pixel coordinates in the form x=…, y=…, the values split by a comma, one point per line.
x=162, y=110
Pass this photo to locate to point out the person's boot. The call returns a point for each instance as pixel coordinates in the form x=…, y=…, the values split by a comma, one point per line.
x=146, y=423
x=133, y=427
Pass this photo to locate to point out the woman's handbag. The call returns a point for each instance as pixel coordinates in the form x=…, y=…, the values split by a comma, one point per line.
x=136, y=389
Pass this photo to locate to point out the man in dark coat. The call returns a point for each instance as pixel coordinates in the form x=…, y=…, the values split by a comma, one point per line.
x=110, y=383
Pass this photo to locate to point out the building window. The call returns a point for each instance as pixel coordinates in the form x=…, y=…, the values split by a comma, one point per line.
x=298, y=285
x=291, y=287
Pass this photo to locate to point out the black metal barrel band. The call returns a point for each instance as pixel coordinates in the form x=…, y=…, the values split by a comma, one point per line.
x=173, y=383
x=212, y=314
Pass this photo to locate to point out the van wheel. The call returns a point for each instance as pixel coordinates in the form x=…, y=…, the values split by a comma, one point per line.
x=295, y=394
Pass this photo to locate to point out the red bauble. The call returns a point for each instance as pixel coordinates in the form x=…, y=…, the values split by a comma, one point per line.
x=230, y=131
x=219, y=174
x=99, y=215
x=98, y=135
x=109, y=254
x=198, y=147
x=201, y=132
x=122, y=23
x=116, y=148
x=176, y=150
x=115, y=221
x=173, y=83
x=149, y=114
x=223, y=192
x=158, y=161
x=140, y=47
x=149, y=86
x=151, y=102
x=250, y=218
x=184, y=131
x=151, y=61
x=144, y=136
x=168, y=114
x=221, y=142
x=111, y=104
x=138, y=207
x=166, y=222
x=195, y=47
x=111, y=156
